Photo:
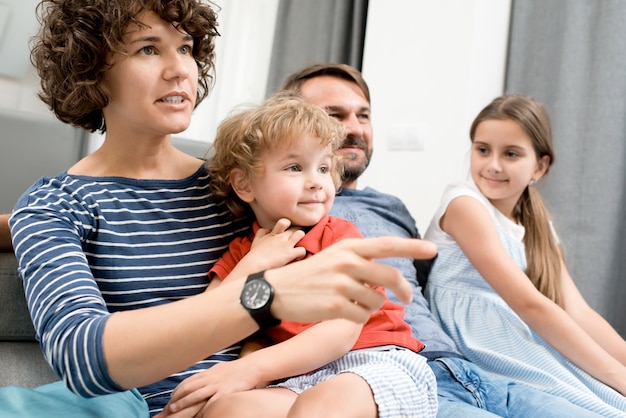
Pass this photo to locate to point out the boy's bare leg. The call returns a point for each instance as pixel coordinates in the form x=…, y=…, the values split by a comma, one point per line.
x=343, y=396
x=256, y=403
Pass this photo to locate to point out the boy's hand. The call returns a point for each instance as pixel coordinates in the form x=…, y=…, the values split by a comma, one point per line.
x=193, y=393
x=275, y=248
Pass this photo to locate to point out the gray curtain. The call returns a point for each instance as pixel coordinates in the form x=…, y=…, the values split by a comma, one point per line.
x=311, y=31
x=571, y=55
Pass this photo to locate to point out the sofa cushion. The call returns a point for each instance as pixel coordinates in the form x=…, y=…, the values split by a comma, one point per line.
x=34, y=145
x=23, y=364
x=15, y=322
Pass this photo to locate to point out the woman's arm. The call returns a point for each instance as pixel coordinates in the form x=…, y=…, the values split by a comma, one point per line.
x=97, y=352
x=146, y=345
x=469, y=223
x=594, y=324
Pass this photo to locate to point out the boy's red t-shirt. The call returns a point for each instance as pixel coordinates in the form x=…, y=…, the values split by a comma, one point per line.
x=385, y=326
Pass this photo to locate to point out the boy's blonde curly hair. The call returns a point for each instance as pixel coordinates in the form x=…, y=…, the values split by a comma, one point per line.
x=244, y=136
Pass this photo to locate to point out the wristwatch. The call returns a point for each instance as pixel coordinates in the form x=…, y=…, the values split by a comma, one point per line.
x=257, y=296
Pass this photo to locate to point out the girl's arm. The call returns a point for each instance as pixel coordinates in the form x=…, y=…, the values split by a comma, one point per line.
x=470, y=224
x=594, y=324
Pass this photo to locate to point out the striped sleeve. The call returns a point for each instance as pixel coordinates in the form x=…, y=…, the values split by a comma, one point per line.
x=66, y=306
x=90, y=247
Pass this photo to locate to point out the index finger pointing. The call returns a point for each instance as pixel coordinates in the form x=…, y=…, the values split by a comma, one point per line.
x=383, y=247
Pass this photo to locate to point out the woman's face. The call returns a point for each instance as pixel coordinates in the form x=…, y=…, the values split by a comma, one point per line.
x=152, y=89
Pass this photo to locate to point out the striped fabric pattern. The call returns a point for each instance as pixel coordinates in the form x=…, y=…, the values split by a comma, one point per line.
x=402, y=383
x=491, y=335
x=88, y=247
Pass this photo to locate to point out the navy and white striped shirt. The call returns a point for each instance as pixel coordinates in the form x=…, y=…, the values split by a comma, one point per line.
x=91, y=246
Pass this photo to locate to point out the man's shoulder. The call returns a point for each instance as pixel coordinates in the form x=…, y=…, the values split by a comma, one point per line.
x=375, y=213
x=370, y=198
x=368, y=193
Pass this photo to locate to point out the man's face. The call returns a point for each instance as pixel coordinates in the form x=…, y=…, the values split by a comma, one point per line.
x=345, y=101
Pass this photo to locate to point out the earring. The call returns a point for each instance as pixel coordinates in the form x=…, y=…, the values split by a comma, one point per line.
x=532, y=182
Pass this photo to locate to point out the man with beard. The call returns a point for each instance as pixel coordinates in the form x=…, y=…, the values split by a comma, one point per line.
x=463, y=388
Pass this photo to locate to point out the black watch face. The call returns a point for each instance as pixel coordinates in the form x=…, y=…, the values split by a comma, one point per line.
x=255, y=294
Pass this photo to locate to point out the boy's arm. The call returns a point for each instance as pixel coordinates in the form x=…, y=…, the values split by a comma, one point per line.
x=313, y=348
x=269, y=249
x=307, y=351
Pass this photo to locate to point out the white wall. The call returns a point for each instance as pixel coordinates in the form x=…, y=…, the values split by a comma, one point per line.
x=243, y=58
x=18, y=80
x=431, y=65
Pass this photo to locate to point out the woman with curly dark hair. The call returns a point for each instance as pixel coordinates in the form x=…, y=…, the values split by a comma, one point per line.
x=115, y=251
x=77, y=41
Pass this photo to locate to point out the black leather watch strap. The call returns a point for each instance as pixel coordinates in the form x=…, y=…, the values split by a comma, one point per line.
x=257, y=296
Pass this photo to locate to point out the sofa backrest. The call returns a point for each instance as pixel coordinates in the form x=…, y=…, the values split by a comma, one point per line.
x=32, y=146
x=15, y=322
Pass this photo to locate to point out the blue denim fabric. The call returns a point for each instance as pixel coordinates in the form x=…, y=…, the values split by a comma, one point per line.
x=465, y=390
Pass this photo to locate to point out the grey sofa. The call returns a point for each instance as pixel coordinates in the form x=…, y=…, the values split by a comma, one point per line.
x=32, y=146
x=21, y=360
